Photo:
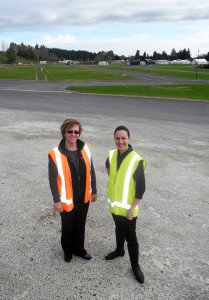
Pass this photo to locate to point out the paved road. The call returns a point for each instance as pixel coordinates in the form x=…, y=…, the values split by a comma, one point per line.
x=149, y=78
x=172, y=228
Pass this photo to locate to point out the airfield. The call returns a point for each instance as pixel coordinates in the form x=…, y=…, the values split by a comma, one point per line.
x=170, y=134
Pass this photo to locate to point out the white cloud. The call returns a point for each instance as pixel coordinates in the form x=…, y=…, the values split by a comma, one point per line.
x=56, y=14
x=120, y=25
x=62, y=40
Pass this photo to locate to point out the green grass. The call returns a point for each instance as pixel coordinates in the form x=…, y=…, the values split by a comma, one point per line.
x=176, y=73
x=73, y=73
x=56, y=72
x=185, y=71
x=198, y=92
x=18, y=72
x=3, y=58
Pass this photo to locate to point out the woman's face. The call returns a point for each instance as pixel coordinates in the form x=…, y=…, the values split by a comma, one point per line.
x=71, y=135
x=121, y=140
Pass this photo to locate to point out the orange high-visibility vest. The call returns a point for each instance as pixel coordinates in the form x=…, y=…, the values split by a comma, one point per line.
x=64, y=180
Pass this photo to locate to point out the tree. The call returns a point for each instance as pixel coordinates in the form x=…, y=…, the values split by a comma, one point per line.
x=11, y=54
x=110, y=56
x=22, y=50
x=188, y=54
x=98, y=58
x=117, y=57
x=173, y=54
x=53, y=57
x=31, y=53
x=164, y=55
x=144, y=56
x=207, y=56
x=137, y=55
x=43, y=53
x=155, y=55
x=3, y=46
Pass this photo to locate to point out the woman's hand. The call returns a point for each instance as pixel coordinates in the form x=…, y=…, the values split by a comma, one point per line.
x=58, y=207
x=94, y=197
x=129, y=214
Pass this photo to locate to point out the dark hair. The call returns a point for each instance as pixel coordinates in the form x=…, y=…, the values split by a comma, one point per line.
x=121, y=127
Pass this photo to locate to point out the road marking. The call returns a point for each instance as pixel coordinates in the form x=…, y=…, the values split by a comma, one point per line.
x=68, y=92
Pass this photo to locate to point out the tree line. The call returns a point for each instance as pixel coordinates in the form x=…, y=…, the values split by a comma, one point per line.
x=39, y=53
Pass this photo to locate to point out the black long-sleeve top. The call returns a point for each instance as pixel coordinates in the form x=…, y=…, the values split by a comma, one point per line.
x=78, y=173
x=138, y=175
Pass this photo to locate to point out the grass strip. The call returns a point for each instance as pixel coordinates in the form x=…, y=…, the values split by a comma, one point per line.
x=57, y=73
x=18, y=72
x=183, y=71
x=72, y=73
x=196, y=92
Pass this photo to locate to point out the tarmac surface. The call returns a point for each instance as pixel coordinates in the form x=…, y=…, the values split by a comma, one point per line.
x=172, y=225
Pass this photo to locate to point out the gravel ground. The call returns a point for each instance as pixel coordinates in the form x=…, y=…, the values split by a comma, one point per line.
x=172, y=226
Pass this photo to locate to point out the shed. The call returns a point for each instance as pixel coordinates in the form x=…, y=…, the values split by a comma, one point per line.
x=162, y=62
x=181, y=62
x=199, y=61
x=103, y=63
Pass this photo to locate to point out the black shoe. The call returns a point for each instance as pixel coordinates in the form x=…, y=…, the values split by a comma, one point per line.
x=86, y=256
x=114, y=254
x=67, y=257
x=138, y=273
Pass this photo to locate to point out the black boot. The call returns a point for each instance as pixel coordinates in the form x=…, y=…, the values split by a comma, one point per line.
x=134, y=257
x=67, y=257
x=114, y=254
x=120, y=240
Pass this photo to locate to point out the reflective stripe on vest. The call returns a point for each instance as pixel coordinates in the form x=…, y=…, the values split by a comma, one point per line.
x=86, y=153
x=111, y=155
x=63, y=196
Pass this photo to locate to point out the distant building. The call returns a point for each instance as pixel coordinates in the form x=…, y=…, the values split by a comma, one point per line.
x=119, y=61
x=103, y=63
x=72, y=62
x=199, y=61
x=162, y=62
x=181, y=62
x=149, y=61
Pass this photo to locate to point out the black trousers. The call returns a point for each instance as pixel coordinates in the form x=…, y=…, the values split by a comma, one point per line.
x=73, y=228
x=125, y=230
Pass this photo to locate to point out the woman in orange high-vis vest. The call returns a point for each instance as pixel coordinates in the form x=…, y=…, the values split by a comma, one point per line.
x=73, y=183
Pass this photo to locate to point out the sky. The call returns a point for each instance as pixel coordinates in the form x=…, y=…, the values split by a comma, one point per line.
x=95, y=25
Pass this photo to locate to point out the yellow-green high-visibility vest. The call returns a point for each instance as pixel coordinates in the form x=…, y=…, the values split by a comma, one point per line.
x=121, y=185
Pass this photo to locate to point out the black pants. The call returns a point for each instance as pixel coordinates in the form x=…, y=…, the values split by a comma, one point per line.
x=73, y=228
x=125, y=230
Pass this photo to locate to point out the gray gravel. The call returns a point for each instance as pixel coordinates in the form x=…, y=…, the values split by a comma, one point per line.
x=172, y=226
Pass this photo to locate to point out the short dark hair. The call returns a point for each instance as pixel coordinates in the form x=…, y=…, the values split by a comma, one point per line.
x=122, y=127
x=68, y=124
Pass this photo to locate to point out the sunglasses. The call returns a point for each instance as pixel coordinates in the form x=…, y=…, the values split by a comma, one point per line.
x=71, y=131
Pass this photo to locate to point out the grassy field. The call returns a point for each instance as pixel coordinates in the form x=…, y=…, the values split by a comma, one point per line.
x=53, y=72
x=185, y=71
x=18, y=72
x=60, y=72
x=196, y=92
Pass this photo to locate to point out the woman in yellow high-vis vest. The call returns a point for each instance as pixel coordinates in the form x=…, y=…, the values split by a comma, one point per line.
x=126, y=186
x=73, y=184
